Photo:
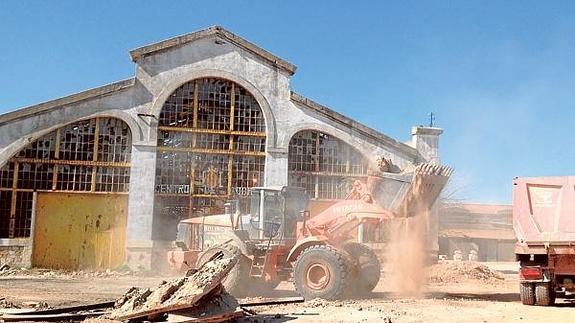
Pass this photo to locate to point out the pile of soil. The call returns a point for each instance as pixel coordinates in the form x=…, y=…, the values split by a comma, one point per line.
x=460, y=271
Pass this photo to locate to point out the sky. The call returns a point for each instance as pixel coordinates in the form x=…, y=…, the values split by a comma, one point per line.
x=498, y=75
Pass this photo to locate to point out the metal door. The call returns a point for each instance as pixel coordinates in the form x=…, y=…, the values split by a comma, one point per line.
x=79, y=231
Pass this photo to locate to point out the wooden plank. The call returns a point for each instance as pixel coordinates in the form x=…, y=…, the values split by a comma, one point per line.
x=70, y=309
x=49, y=317
x=290, y=300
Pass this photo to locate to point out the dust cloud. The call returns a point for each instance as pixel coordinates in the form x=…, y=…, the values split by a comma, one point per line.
x=406, y=256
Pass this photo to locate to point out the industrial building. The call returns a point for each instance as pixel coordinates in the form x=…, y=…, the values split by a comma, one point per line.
x=483, y=230
x=100, y=178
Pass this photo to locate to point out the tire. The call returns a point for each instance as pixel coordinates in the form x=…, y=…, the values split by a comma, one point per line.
x=321, y=271
x=544, y=294
x=527, y=293
x=235, y=282
x=368, y=269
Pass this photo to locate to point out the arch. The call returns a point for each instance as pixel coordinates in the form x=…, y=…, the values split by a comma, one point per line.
x=21, y=143
x=323, y=164
x=211, y=146
x=283, y=141
x=176, y=81
x=90, y=155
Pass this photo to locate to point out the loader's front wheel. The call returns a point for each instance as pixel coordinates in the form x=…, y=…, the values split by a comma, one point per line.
x=236, y=281
x=368, y=268
x=321, y=272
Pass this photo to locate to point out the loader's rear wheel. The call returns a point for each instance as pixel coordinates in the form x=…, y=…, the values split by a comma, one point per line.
x=544, y=294
x=368, y=268
x=527, y=293
x=236, y=281
x=321, y=272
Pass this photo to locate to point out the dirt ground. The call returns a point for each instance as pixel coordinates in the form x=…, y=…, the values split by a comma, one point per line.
x=469, y=299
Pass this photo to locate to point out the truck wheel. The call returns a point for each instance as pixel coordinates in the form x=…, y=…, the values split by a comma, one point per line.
x=321, y=271
x=527, y=293
x=235, y=281
x=544, y=294
x=368, y=270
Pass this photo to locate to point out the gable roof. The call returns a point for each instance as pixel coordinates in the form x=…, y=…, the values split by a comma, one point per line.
x=348, y=122
x=209, y=32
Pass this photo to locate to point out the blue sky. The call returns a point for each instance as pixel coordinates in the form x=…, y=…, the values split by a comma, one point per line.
x=499, y=75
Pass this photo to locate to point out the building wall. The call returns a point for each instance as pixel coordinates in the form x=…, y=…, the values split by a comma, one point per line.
x=16, y=252
x=484, y=228
x=138, y=102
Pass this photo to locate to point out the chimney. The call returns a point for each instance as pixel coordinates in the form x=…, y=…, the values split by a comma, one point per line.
x=426, y=141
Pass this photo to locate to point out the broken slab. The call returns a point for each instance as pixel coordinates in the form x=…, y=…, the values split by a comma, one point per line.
x=179, y=294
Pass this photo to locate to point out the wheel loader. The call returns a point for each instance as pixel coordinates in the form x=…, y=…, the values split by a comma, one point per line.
x=278, y=240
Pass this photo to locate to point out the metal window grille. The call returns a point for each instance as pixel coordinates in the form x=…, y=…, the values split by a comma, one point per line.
x=77, y=141
x=113, y=179
x=7, y=175
x=86, y=156
x=211, y=146
x=248, y=115
x=23, y=214
x=43, y=148
x=324, y=165
x=35, y=176
x=248, y=172
x=114, y=141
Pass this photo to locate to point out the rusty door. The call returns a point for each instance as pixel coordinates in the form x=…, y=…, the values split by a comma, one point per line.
x=80, y=231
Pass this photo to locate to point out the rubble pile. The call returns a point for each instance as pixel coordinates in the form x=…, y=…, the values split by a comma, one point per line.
x=7, y=304
x=198, y=295
x=459, y=271
x=6, y=271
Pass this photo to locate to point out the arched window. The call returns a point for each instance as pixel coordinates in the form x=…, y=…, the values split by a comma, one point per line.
x=324, y=165
x=211, y=147
x=85, y=156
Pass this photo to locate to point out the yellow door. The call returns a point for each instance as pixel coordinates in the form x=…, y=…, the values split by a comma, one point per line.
x=79, y=231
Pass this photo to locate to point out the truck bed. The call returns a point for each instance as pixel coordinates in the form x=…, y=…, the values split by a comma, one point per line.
x=544, y=211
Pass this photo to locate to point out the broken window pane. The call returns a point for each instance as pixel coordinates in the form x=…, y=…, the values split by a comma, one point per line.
x=211, y=147
x=324, y=165
x=85, y=156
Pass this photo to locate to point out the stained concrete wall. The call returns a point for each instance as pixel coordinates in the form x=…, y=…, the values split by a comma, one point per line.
x=139, y=101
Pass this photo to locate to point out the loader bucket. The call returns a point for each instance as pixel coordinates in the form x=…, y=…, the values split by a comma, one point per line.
x=412, y=193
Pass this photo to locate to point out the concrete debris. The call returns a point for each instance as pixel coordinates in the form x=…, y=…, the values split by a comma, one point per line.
x=7, y=304
x=196, y=296
x=53, y=273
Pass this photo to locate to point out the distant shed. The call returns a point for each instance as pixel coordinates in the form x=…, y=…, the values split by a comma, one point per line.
x=485, y=228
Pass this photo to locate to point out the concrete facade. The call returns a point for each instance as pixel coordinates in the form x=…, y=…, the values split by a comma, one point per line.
x=163, y=67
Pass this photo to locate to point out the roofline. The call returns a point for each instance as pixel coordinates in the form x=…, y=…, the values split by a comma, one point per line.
x=476, y=203
x=213, y=31
x=363, y=129
x=48, y=106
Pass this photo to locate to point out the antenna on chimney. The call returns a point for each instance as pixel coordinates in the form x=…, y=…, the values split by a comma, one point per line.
x=431, y=119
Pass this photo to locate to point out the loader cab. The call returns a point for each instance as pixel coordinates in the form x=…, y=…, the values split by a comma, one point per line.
x=274, y=212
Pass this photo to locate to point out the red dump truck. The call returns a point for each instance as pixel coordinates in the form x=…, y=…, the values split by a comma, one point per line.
x=544, y=223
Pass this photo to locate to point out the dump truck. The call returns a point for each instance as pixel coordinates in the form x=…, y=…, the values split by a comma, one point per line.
x=544, y=223
x=278, y=240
